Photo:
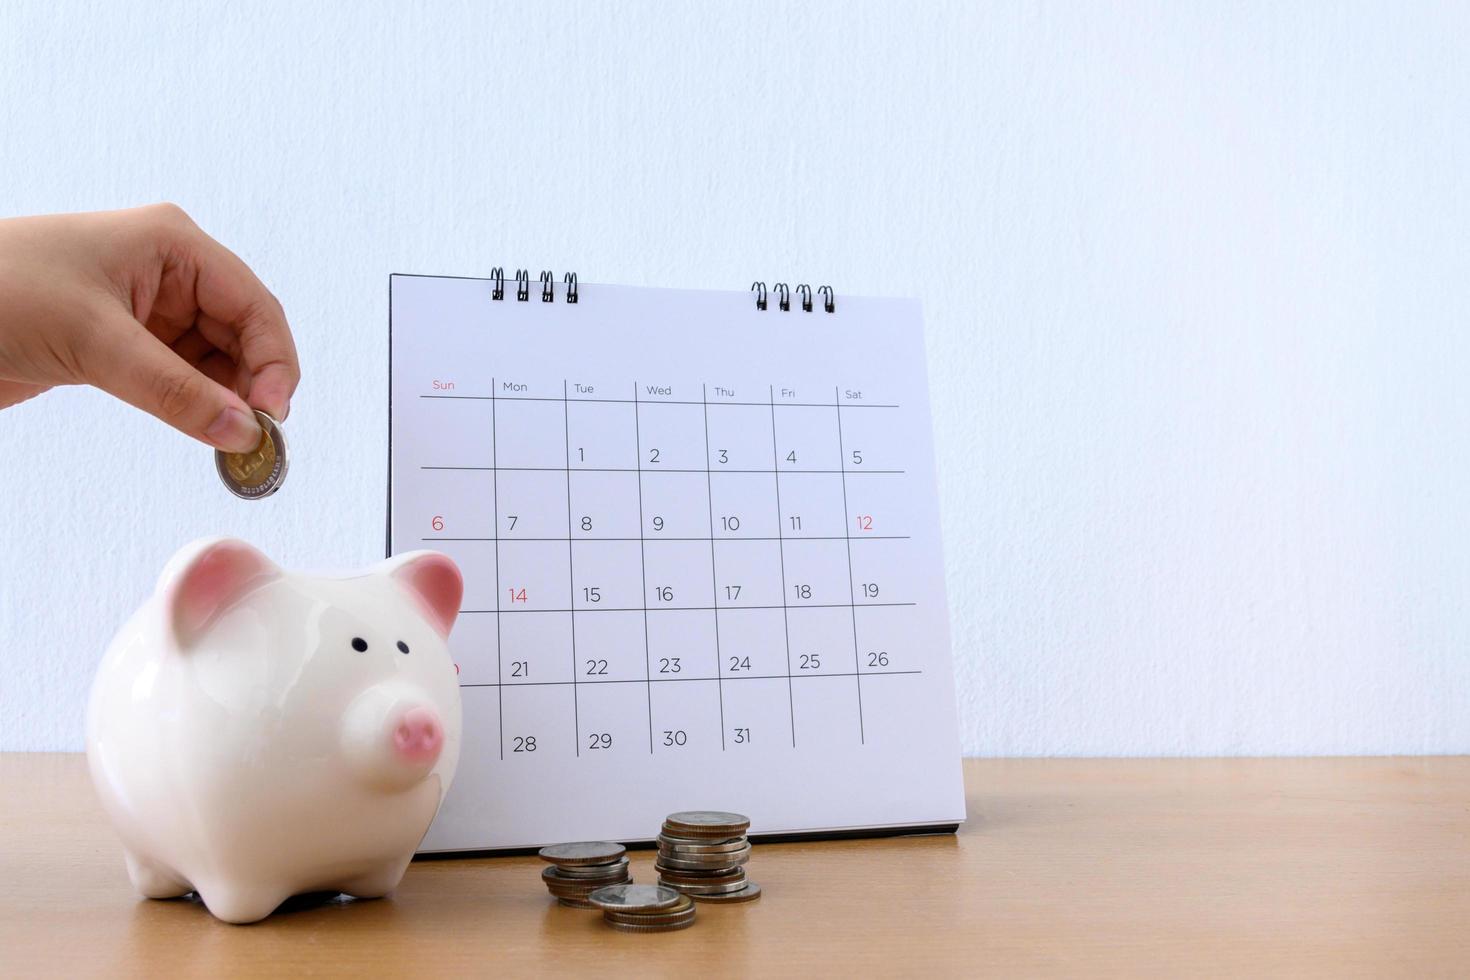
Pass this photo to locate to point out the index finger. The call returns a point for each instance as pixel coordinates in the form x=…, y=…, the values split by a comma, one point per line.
x=239, y=315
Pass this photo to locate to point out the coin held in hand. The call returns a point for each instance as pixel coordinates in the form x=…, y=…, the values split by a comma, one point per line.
x=260, y=472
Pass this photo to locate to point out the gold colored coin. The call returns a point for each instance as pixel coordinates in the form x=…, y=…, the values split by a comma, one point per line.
x=253, y=468
x=260, y=472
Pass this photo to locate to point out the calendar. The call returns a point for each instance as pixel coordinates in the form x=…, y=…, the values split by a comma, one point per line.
x=699, y=534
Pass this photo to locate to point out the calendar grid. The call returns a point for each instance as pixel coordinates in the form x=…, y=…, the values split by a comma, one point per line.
x=783, y=541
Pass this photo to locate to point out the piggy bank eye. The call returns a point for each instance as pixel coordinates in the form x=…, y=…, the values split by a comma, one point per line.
x=359, y=644
x=402, y=647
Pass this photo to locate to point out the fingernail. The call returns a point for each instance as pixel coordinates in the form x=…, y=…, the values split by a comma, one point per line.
x=233, y=431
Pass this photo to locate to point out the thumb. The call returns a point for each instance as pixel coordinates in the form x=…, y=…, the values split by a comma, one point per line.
x=137, y=367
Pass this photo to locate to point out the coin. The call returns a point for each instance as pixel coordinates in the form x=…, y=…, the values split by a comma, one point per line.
x=684, y=850
x=749, y=893
x=634, y=898
x=579, y=889
x=683, y=908
x=707, y=858
x=610, y=870
x=674, y=878
x=260, y=472
x=561, y=891
x=625, y=927
x=682, y=864
x=583, y=852
x=697, y=845
x=579, y=894
x=689, y=888
x=706, y=823
x=726, y=862
x=557, y=875
x=657, y=919
x=575, y=903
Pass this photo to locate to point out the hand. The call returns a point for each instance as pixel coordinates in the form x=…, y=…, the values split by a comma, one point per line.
x=147, y=307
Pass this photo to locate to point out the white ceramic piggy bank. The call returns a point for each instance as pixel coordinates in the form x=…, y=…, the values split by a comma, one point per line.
x=255, y=734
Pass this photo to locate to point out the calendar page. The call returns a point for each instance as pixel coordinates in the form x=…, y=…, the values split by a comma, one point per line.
x=701, y=553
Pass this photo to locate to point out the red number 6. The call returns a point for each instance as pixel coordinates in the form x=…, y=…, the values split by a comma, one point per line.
x=437, y=523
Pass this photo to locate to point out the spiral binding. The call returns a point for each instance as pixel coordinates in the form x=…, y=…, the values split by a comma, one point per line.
x=783, y=296
x=547, y=278
x=523, y=285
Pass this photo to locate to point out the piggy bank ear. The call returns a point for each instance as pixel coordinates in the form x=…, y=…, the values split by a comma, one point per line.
x=205, y=579
x=434, y=582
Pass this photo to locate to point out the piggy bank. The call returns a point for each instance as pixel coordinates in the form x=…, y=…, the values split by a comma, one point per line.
x=255, y=734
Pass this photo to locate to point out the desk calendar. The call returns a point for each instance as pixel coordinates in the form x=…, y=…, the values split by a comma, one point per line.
x=699, y=534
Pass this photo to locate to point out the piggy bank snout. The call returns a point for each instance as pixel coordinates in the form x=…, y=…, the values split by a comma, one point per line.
x=418, y=736
x=392, y=737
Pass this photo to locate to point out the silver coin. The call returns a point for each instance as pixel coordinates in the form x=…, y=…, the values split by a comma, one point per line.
x=669, y=927
x=583, y=884
x=683, y=909
x=749, y=893
x=700, y=877
x=260, y=472
x=634, y=898
x=651, y=919
x=558, y=875
x=575, y=903
x=566, y=891
x=582, y=891
x=684, y=854
x=702, y=823
x=583, y=852
x=698, y=845
x=606, y=873
x=724, y=889
x=680, y=864
x=591, y=869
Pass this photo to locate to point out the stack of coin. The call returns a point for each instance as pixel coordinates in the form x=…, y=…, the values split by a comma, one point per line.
x=702, y=853
x=643, y=908
x=580, y=869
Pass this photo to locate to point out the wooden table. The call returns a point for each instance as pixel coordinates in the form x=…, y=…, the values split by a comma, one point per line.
x=1327, y=867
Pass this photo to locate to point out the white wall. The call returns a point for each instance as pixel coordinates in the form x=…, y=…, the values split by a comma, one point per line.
x=1196, y=278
